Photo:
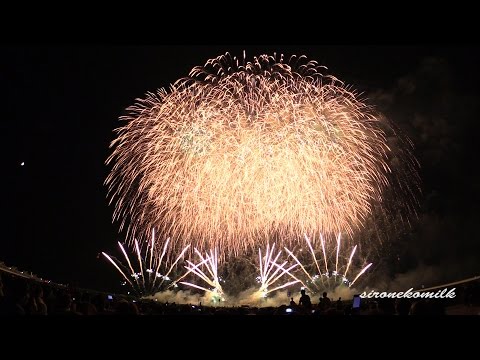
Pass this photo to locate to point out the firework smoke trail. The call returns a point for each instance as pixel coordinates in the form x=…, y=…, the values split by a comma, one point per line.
x=211, y=263
x=144, y=284
x=239, y=151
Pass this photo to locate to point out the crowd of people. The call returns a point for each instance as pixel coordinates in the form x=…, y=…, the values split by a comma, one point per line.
x=22, y=296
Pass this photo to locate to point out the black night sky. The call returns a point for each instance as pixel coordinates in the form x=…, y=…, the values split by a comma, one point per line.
x=61, y=104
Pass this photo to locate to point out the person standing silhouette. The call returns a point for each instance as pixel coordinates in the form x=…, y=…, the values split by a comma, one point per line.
x=305, y=300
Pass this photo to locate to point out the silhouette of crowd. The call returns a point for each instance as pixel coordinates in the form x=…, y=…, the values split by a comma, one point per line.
x=21, y=296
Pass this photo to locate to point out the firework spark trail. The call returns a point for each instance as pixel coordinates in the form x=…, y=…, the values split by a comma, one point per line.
x=237, y=152
x=360, y=274
x=264, y=262
x=313, y=254
x=267, y=277
x=338, y=250
x=161, y=258
x=196, y=270
x=273, y=279
x=283, y=286
x=324, y=253
x=211, y=263
x=350, y=260
x=197, y=286
x=164, y=277
x=144, y=284
x=212, y=259
x=139, y=256
x=299, y=263
x=134, y=274
x=290, y=253
x=150, y=268
x=116, y=266
x=327, y=274
x=287, y=271
x=268, y=263
x=190, y=269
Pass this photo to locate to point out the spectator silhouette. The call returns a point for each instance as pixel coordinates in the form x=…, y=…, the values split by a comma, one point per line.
x=125, y=308
x=42, y=308
x=36, y=305
x=305, y=300
x=339, y=304
x=85, y=306
x=324, y=302
x=64, y=305
x=16, y=298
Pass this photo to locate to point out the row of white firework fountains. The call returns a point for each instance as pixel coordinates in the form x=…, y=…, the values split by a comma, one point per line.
x=148, y=279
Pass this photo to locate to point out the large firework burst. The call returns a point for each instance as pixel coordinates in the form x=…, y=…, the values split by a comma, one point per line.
x=240, y=152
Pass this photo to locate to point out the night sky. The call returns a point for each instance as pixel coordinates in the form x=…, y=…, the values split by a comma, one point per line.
x=60, y=106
